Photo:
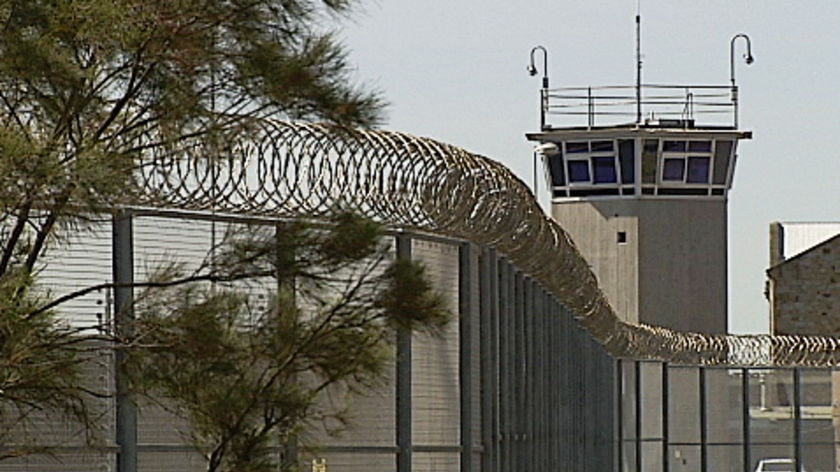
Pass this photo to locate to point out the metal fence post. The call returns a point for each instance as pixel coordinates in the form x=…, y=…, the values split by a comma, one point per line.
x=519, y=363
x=745, y=416
x=505, y=365
x=665, y=399
x=528, y=375
x=403, y=381
x=618, y=401
x=122, y=249
x=285, y=284
x=638, y=407
x=489, y=354
x=466, y=312
x=797, y=417
x=704, y=433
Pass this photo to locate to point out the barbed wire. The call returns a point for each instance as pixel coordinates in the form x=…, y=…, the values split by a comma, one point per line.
x=294, y=170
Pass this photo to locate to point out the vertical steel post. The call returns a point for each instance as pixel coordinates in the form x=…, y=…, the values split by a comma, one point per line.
x=561, y=382
x=638, y=67
x=638, y=407
x=285, y=286
x=528, y=374
x=540, y=376
x=504, y=450
x=488, y=300
x=618, y=401
x=122, y=248
x=704, y=433
x=797, y=417
x=665, y=400
x=466, y=312
x=543, y=107
x=745, y=416
x=403, y=382
x=734, y=95
x=507, y=365
x=565, y=436
x=519, y=372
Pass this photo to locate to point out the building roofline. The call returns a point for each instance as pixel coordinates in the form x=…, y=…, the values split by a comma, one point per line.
x=773, y=269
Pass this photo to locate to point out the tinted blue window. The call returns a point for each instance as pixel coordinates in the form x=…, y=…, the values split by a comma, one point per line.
x=578, y=171
x=698, y=170
x=673, y=146
x=673, y=169
x=604, y=168
x=626, y=159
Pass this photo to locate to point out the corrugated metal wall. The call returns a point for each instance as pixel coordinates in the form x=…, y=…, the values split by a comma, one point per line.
x=81, y=261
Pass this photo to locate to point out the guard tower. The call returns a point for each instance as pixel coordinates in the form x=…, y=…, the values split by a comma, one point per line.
x=639, y=177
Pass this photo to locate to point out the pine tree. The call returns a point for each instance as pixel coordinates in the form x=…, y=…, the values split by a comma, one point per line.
x=88, y=87
x=248, y=379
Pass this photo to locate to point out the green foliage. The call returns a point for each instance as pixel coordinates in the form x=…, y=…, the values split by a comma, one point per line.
x=246, y=379
x=89, y=89
x=409, y=299
x=39, y=368
x=351, y=238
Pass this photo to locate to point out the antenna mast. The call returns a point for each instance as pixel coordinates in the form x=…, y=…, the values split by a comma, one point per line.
x=638, y=63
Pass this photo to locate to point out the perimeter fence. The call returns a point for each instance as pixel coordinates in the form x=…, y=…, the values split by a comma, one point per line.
x=537, y=374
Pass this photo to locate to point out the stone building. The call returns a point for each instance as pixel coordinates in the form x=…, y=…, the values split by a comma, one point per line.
x=803, y=281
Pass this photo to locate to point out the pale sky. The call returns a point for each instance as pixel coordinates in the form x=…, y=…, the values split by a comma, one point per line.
x=454, y=70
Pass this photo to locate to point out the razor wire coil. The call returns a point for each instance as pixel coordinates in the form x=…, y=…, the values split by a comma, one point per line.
x=305, y=170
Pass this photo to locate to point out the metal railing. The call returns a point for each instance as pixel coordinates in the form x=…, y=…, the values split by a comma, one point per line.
x=675, y=105
x=294, y=170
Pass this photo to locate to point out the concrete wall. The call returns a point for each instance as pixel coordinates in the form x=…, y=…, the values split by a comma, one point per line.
x=594, y=228
x=672, y=268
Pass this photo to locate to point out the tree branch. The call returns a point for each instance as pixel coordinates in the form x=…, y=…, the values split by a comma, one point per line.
x=15, y=235
x=162, y=284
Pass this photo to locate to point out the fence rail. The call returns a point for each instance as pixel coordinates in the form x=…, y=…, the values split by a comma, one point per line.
x=295, y=170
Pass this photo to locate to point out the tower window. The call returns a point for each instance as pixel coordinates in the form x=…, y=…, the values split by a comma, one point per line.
x=687, y=162
x=578, y=171
x=698, y=170
x=591, y=163
x=673, y=169
x=621, y=237
x=626, y=158
x=650, y=153
x=604, y=169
